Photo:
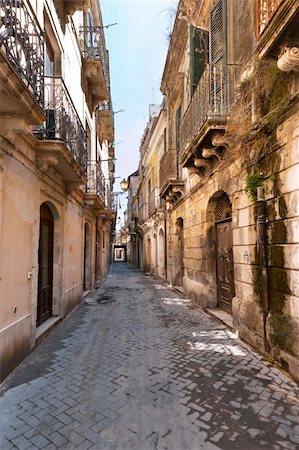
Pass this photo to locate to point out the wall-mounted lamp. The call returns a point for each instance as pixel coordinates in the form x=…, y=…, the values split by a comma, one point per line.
x=124, y=185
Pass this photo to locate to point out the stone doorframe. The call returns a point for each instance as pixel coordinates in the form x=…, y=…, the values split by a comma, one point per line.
x=87, y=257
x=211, y=242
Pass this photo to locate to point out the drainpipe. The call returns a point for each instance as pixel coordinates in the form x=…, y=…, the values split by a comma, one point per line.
x=262, y=243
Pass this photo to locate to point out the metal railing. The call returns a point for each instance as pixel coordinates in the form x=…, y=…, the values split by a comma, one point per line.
x=21, y=39
x=154, y=200
x=105, y=114
x=265, y=10
x=95, y=180
x=143, y=212
x=212, y=100
x=168, y=167
x=109, y=198
x=62, y=121
x=93, y=47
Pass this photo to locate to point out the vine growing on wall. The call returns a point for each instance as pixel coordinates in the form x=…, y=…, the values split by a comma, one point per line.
x=252, y=183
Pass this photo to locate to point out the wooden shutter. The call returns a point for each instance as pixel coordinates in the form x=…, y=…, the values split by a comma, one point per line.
x=218, y=33
x=199, y=54
x=178, y=117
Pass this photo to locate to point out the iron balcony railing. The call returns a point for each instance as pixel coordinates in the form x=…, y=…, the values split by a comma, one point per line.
x=21, y=39
x=95, y=179
x=109, y=198
x=265, y=10
x=168, y=167
x=143, y=212
x=106, y=107
x=93, y=47
x=62, y=121
x=154, y=200
x=211, y=101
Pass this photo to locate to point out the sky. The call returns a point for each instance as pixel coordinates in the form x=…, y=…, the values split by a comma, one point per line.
x=137, y=47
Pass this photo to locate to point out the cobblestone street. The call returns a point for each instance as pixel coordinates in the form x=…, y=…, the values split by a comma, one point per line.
x=137, y=366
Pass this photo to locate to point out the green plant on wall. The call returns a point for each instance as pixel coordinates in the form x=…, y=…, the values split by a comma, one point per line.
x=252, y=183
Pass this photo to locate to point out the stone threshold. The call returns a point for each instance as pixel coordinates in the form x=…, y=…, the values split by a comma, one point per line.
x=223, y=316
x=85, y=293
x=44, y=329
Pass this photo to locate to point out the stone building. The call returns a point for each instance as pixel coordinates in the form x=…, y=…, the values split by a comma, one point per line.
x=150, y=224
x=131, y=219
x=56, y=135
x=229, y=172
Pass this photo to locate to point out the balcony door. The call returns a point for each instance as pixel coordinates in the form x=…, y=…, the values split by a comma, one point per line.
x=218, y=58
x=45, y=265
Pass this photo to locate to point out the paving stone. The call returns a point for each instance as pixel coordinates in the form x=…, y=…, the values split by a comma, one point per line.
x=146, y=370
x=21, y=442
x=39, y=440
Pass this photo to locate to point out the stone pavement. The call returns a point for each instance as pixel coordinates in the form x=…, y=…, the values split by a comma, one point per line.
x=137, y=366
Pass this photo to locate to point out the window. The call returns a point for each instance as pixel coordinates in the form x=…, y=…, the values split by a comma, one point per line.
x=49, y=60
x=218, y=33
x=199, y=55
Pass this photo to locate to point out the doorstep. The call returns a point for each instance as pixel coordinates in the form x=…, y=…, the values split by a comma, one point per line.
x=85, y=293
x=179, y=288
x=45, y=328
x=221, y=315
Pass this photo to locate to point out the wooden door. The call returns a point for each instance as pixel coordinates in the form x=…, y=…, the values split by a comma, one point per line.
x=45, y=265
x=225, y=270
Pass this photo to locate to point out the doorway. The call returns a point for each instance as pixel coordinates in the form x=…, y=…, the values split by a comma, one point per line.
x=45, y=265
x=179, y=266
x=87, y=257
x=224, y=254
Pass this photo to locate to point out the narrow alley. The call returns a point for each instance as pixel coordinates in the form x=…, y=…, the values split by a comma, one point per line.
x=138, y=366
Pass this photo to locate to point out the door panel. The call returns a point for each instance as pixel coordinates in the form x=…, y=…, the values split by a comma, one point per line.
x=225, y=281
x=45, y=272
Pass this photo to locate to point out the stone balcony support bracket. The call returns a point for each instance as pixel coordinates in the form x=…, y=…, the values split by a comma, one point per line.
x=289, y=59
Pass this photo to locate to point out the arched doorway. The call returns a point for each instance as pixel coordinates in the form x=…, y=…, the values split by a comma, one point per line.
x=87, y=258
x=148, y=254
x=154, y=253
x=179, y=251
x=45, y=265
x=224, y=253
x=161, y=255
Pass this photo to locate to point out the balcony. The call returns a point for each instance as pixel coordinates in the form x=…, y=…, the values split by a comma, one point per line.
x=21, y=63
x=105, y=122
x=142, y=212
x=208, y=111
x=70, y=7
x=276, y=26
x=171, y=188
x=154, y=201
x=98, y=195
x=95, y=180
x=95, y=65
x=62, y=137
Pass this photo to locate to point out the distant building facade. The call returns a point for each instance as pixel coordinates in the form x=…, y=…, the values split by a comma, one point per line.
x=229, y=174
x=56, y=177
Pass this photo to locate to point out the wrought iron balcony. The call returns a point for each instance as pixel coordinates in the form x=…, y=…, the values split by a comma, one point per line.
x=63, y=122
x=276, y=26
x=154, y=200
x=210, y=105
x=143, y=212
x=95, y=62
x=110, y=199
x=95, y=180
x=105, y=122
x=265, y=10
x=21, y=40
x=170, y=183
